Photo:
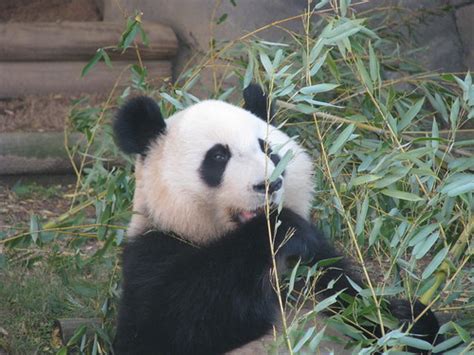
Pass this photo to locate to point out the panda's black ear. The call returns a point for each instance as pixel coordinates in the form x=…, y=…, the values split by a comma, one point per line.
x=137, y=123
x=256, y=101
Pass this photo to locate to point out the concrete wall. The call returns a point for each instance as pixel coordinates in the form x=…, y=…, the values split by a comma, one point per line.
x=448, y=36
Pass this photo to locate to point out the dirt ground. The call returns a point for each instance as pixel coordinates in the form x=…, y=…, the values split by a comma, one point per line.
x=20, y=197
x=49, y=10
x=39, y=113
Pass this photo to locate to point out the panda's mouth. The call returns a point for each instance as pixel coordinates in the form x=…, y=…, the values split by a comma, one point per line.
x=244, y=216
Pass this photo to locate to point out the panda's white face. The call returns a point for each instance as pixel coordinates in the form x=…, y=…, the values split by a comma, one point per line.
x=207, y=173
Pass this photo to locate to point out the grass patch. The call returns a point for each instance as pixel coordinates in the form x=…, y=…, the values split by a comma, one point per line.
x=37, y=291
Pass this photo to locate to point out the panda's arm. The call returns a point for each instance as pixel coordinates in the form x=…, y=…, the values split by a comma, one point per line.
x=338, y=274
x=180, y=299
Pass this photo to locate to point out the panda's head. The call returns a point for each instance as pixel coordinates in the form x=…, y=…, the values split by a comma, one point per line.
x=205, y=170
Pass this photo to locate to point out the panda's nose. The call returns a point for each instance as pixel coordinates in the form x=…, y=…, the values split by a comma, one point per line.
x=272, y=187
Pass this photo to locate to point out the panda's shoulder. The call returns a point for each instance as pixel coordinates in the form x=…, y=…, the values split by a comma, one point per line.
x=152, y=245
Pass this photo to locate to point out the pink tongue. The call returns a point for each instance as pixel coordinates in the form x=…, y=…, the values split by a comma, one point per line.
x=246, y=215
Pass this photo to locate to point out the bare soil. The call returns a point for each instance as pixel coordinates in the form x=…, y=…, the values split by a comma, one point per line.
x=21, y=198
x=49, y=10
x=39, y=113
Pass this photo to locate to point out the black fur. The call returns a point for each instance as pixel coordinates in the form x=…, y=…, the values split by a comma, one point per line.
x=181, y=299
x=137, y=124
x=214, y=164
x=275, y=158
x=256, y=101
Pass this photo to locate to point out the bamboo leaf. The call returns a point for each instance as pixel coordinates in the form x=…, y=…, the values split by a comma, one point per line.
x=341, y=140
x=402, y=195
x=447, y=344
x=95, y=59
x=317, y=339
x=364, y=179
x=453, y=115
x=34, y=228
x=267, y=64
x=248, y=77
x=318, y=88
x=422, y=248
x=463, y=333
x=416, y=343
x=433, y=265
x=221, y=19
x=327, y=302
x=362, y=215
x=172, y=100
x=408, y=117
x=307, y=335
x=422, y=234
x=281, y=166
x=318, y=64
x=375, y=231
x=459, y=184
x=373, y=64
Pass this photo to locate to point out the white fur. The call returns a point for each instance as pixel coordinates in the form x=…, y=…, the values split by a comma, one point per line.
x=171, y=195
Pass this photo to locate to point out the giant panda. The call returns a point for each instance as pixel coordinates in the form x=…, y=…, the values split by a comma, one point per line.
x=197, y=269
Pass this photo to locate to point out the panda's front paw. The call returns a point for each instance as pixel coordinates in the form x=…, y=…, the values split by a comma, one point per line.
x=426, y=327
x=295, y=248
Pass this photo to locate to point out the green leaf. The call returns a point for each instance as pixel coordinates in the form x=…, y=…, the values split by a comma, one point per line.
x=422, y=234
x=172, y=100
x=364, y=75
x=317, y=339
x=416, y=343
x=459, y=184
x=309, y=332
x=144, y=36
x=78, y=333
x=267, y=64
x=408, y=117
x=453, y=115
x=435, y=135
x=221, y=19
x=248, y=77
x=318, y=88
x=375, y=230
x=447, y=344
x=317, y=65
x=402, y=195
x=338, y=33
x=364, y=179
x=281, y=166
x=321, y=4
x=374, y=66
x=433, y=265
x=291, y=284
x=422, y=248
x=463, y=333
x=34, y=228
x=342, y=139
x=327, y=302
x=361, y=217
x=106, y=58
x=440, y=106
x=95, y=59
x=129, y=35
x=388, y=180
x=344, y=4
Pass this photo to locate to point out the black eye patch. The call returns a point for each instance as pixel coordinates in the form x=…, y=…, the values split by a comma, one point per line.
x=214, y=164
x=275, y=158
